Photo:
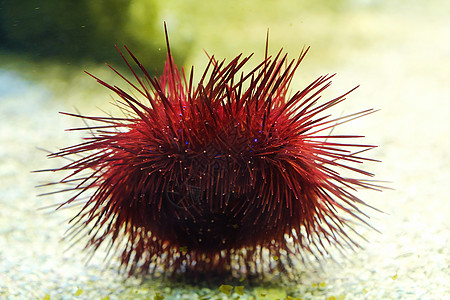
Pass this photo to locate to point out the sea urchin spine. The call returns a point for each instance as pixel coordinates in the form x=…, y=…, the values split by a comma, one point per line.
x=206, y=178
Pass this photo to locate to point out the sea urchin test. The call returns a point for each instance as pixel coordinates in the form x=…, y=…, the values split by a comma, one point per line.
x=216, y=176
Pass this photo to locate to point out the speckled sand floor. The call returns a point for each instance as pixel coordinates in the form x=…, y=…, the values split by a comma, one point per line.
x=403, y=70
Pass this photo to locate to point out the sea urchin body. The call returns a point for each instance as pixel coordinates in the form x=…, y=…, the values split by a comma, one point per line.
x=206, y=177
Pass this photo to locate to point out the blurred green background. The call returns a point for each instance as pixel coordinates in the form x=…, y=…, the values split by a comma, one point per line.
x=84, y=32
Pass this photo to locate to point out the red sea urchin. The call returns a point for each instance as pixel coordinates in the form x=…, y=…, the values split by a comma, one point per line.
x=216, y=177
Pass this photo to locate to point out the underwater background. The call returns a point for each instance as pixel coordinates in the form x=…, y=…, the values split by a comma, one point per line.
x=398, y=51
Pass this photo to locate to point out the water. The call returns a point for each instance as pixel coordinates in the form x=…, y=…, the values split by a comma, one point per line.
x=397, y=51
